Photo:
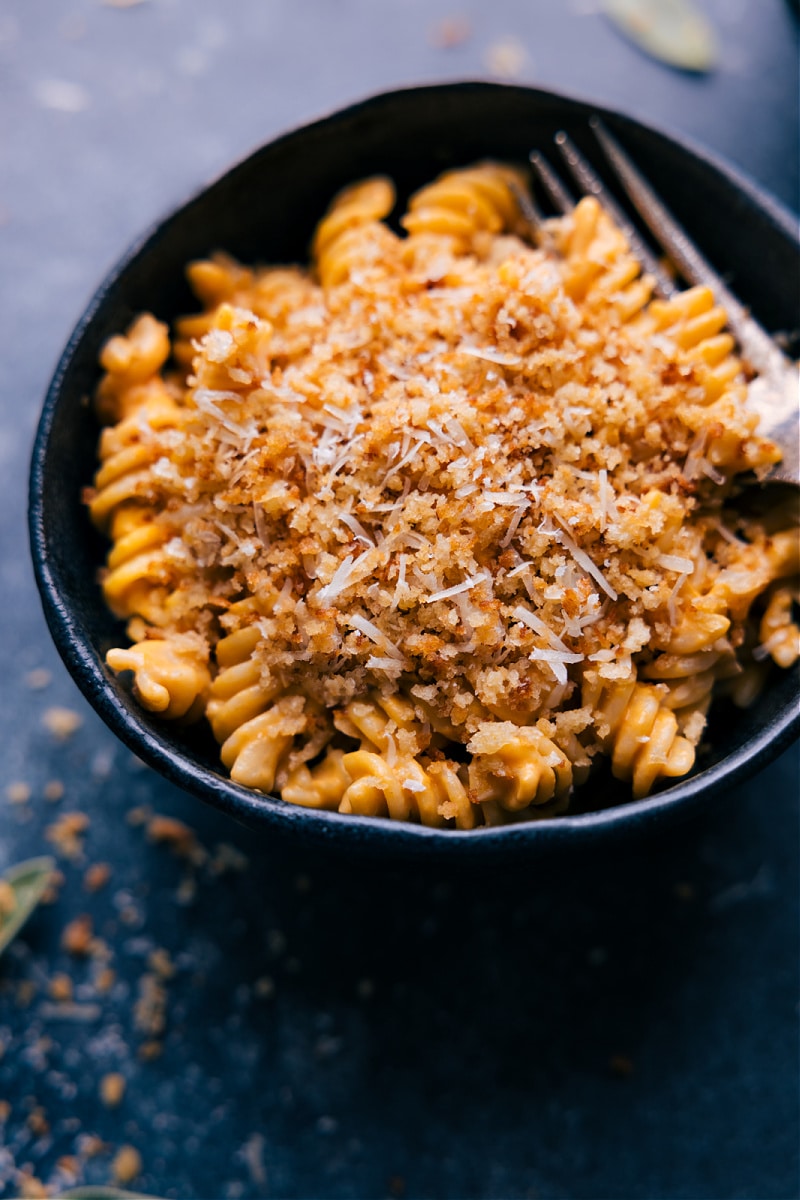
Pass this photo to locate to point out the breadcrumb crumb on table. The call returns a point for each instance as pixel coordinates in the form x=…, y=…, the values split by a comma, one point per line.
x=61, y=722
x=112, y=1089
x=159, y=961
x=30, y=1187
x=18, y=792
x=96, y=876
x=53, y=790
x=126, y=1165
x=60, y=987
x=150, y=1008
x=77, y=936
x=506, y=58
x=38, y=1123
x=65, y=834
x=450, y=32
x=177, y=835
x=38, y=679
x=105, y=980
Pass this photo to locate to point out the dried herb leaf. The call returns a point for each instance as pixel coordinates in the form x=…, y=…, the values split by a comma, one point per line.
x=673, y=31
x=21, y=889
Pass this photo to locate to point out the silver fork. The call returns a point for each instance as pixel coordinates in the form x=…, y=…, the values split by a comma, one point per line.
x=775, y=392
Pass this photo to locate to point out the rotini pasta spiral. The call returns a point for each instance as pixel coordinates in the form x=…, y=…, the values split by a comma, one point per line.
x=779, y=633
x=639, y=732
x=601, y=271
x=513, y=768
x=125, y=499
x=348, y=232
x=389, y=775
x=468, y=205
x=171, y=678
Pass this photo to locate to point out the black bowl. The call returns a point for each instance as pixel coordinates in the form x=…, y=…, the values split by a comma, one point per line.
x=265, y=209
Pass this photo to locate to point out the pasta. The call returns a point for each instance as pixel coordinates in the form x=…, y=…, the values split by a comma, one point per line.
x=432, y=528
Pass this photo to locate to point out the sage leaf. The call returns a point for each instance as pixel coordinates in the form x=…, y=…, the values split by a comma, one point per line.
x=674, y=31
x=21, y=889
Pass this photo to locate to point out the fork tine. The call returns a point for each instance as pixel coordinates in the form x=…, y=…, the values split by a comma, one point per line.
x=756, y=344
x=530, y=211
x=556, y=191
x=591, y=183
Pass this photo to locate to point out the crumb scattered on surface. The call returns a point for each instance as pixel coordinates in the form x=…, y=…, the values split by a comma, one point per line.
x=179, y=836
x=506, y=58
x=30, y=1187
x=227, y=858
x=24, y=992
x=450, y=32
x=61, y=722
x=150, y=1009
x=18, y=792
x=112, y=1089
x=89, y=1145
x=60, y=987
x=126, y=1165
x=150, y=1050
x=37, y=1122
x=53, y=790
x=68, y=1167
x=138, y=815
x=77, y=936
x=38, y=679
x=252, y=1152
x=55, y=883
x=105, y=980
x=65, y=834
x=160, y=962
x=96, y=876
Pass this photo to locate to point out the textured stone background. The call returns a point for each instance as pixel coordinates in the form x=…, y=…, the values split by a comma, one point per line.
x=615, y=1028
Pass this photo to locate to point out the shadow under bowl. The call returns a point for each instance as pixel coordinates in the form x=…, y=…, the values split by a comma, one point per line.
x=264, y=209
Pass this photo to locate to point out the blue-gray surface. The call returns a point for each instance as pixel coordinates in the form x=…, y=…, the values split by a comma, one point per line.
x=624, y=1027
